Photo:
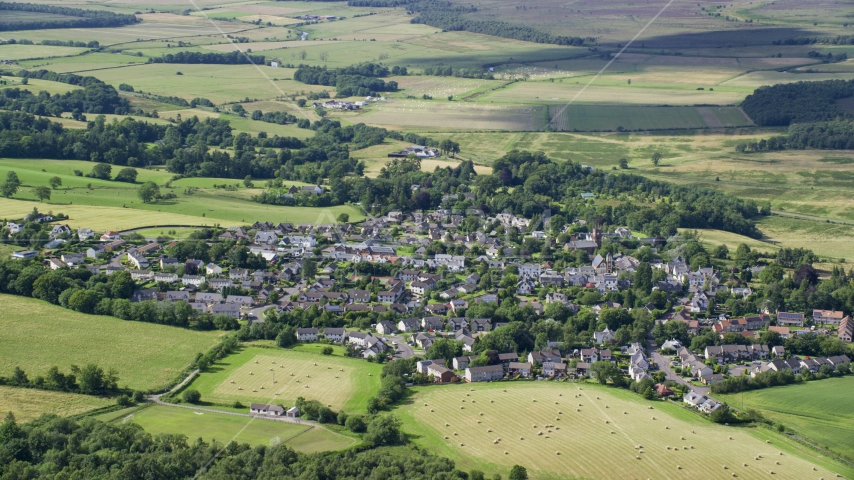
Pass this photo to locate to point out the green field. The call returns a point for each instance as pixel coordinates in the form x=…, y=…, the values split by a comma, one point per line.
x=817, y=411
x=598, y=118
x=265, y=375
x=223, y=428
x=37, y=335
x=28, y=404
x=594, y=435
x=115, y=206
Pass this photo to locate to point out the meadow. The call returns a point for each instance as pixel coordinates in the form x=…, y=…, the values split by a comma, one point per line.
x=817, y=411
x=265, y=375
x=28, y=404
x=603, y=118
x=37, y=335
x=567, y=428
x=104, y=204
x=223, y=428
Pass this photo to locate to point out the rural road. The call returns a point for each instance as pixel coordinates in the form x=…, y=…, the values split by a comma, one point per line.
x=810, y=217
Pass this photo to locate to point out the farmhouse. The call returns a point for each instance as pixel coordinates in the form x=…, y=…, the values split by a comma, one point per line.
x=261, y=409
x=484, y=374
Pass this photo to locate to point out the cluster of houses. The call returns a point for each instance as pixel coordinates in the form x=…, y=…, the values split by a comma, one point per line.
x=367, y=344
x=419, y=151
x=273, y=410
x=339, y=105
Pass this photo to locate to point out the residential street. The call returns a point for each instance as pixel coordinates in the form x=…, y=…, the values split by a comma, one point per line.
x=663, y=364
x=404, y=349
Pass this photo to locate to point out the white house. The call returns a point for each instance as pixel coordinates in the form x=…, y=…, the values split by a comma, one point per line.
x=85, y=234
x=307, y=334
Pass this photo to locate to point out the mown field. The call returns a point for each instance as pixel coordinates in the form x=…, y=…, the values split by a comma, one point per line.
x=265, y=375
x=557, y=431
x=818, y=411
x=224, y=428
x=28, y=404
x=598, y=118
x=37, y=335
x=115, y=205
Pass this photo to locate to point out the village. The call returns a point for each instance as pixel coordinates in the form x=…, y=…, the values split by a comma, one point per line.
x=419, y=296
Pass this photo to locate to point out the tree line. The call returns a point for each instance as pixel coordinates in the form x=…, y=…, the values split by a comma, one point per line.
x=356, y=80
x=799, y=102
x=449, y=71
x=837, y=40
x=90, y=380
x=836, y=134
x=216, y=58
x=78, y=18
x=450, y=20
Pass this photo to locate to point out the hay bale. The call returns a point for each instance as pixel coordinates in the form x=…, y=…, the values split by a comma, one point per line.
x=232, y=381
x=521, y=438
x=637, y=457
x=446, y=437
x=431, y=410
x=606, y=421
x=653, y=418
x=256, y=361
x=577, y=409
x=767, y=441
x=447, y=424
x=781, y=453
x=489, y=430
x=492, y=401
x=777, y=463
x=557, y=453
x=683, y=438
x=666, y=427
x=506, y=453
x=612, y=432
x=250, y=373
x=462, y=407
x=540, y=433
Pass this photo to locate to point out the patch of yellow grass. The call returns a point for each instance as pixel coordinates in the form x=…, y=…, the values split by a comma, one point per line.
x=27, y=404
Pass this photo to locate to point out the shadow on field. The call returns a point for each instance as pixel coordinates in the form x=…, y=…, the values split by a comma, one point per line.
x=740, y=37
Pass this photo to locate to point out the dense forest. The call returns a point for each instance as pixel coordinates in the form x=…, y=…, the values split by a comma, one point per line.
x=837, y=40
x=355, y=80
x=77, y=18
x=228, y=58
x=450, y=20
x=787, y=103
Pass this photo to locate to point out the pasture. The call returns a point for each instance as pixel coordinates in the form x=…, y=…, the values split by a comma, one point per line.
x=115, y=206
x=817, y=411
x=37, y=335
x=273, y=375
x=599, y=118
x=224, y=428
x=562, y=430
x=27, y=405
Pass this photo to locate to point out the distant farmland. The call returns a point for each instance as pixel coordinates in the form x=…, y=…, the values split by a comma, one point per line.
x=590, y=118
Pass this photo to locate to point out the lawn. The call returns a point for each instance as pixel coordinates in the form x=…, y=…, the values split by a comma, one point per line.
x=464, y=422
x=210, y=426
x=27, y=404
x=818, y=411
x=37, y=335
x=265, y=375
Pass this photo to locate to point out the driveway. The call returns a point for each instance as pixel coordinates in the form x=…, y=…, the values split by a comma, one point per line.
x=663, y=364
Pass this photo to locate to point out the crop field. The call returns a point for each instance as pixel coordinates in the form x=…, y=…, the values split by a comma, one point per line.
x=561, y=431
x=37, y=335
x=426, y=114
x=817, y=411
x=26, y=405
x=223, y=428
x=22, y=52
x=265, y=375
x=36, y=86
x=598, y=118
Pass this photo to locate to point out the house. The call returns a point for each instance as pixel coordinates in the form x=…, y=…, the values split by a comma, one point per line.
x=421, y=367
x=144, y=295
x=581, y=369
x=437, y=308
x=589, y=355
x=519, y=368
x=141, y=275
x=409, y=325
x=238, y=274
x=457, y=323
x=110, y=236
x=783, y=331
x=95, y=250
x=554, y=369
x=778, y=351
x=213, y=269
x=242, y=300
x=293, y=412
x=827, y=317
x=24, y=254
x=424, y=340
x=789, y=319
x=461, y=363
x=359, y=296
x=432, y=323
x=694, y=398
x=440, y=373
x=178, y=296
x=307, y=334
x=220, y=283
x=712, y=379
x=544, y=356
x=209, y=298
x=334, y=334
x=165, y=277
x=506, y=358
x=846, y=330
x=480, y=324
x=662, y=391
x=261, y=409
x=605, y=336
x=84, y=234
x=195, y=280
x=386, y=328
x=484, y=374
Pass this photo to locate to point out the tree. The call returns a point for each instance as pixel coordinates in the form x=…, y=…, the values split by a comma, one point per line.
x=247, y=182
x=772, y=273
x=518, y=472
x=326, y=351
x=127, y=175
x=42, y=193
x=384, y=430
x=309, y=268
x=101, y=170
x=604, y=370
x=148, y=192
x=191, y=396
x=10, y=186
x=643, y=279
x=343, y=218
x=286, y=337
x=624, y=163
x=355, y=423
x=656, y=158
x=55, y=182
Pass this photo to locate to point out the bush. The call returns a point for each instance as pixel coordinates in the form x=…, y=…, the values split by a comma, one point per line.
x=124, y=401
x=356, y=423
x=326, y=351
x=191, y=396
